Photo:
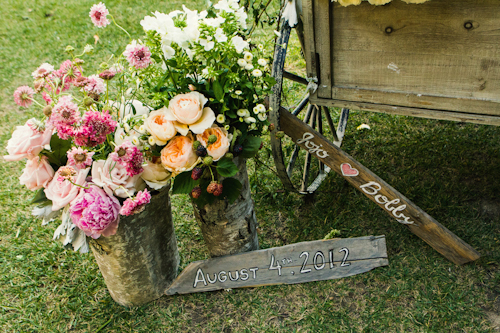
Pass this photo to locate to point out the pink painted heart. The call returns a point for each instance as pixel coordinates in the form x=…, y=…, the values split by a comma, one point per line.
x=348, y=170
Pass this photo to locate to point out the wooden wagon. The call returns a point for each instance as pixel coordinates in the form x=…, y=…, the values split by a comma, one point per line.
x=439, y=60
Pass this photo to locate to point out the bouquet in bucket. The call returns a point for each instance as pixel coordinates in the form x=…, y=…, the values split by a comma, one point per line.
x=207, y=85
x=78, y=159
x=181, y=103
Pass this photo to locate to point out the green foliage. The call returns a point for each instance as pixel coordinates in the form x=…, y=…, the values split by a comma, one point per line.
x=251, y=146
x=226, y=167
x=183, y=183
x=57, y=156
x=231, y=189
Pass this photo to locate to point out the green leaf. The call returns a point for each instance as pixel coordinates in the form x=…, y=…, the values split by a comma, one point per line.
x=231, y=189
x=251, y=146
x=59, y=147
x=218, y=91
x=226, y=167
x=39, y=197
x=183, y=183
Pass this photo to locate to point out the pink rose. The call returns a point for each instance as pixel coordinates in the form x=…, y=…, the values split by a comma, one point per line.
x=220, y=147
x=27, y=142
x=37, y=173
x=178, y=156
x=190, y=111
x=114, y=179
x=160, y=127
x=61, y=191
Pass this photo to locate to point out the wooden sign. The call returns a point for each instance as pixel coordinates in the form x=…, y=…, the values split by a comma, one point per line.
x=384, y=195
x=290, y=264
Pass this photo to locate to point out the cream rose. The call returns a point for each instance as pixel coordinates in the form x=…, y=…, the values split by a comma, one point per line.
x=178, y=156
x=62, y=192
x=27, y=142
x=161, y=127
x=190, y=112
x=37, y=173
x=155, y=175
x=114, y=180
x=220, y=147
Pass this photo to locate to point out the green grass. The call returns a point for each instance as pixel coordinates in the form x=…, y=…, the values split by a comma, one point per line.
x=451, y=170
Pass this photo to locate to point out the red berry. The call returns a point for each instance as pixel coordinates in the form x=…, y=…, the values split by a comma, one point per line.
x=212, y=187
x=261, y=145
x=237, y=149
x=201, y=151
x=196, y=173
x=196, y=192
x=218, y=190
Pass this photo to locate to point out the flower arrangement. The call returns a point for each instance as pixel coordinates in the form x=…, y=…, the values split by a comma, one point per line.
x=180, y=103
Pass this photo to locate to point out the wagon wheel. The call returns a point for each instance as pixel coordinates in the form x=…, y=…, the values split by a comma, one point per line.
x=295, y=167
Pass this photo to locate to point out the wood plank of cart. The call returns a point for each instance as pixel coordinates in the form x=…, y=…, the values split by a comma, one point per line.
x=289, y=264
x=394, y=203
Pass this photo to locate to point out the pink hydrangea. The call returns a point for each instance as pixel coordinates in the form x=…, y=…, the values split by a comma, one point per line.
x=98, y=15
x=64, y=117
x=130, y=157
x=23, y=96
x=43, y=71
x=95, y=85
x=95, y=212
x=137, y=55
x=79, y=157
x=95, y=126
x=136, y=205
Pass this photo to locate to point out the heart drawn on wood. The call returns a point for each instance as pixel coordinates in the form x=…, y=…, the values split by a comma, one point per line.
x=348, y=170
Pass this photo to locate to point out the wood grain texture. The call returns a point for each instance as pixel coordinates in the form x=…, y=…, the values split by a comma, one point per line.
x=377, y=190
x=298, y=263
x=229, y=228
x=323, y=47
x=140, y=261
x=441, y=55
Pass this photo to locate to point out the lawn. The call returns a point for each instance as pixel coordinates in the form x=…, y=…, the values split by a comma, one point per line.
x=450, y=170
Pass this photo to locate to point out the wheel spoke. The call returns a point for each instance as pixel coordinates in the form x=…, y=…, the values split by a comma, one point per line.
x=295, y=78
x=320, y=130
x=333, y=129
x=301, y=105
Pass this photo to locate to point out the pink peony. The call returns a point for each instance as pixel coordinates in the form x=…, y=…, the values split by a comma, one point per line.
x=27, y=142
x=137, y=55
x=37, y=173
x=136, y=205
x=98, y=15
x=43, y=71
x=81, y=158
x=95, y=85
x=23, y=96
x=64, y=117
x=95, y=126
x=130, y=157
x=62, y=192
x=114, y=179
x=95, y=212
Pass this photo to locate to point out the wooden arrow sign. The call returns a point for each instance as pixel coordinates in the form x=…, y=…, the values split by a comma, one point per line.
x=377, y=190
x=290, y=264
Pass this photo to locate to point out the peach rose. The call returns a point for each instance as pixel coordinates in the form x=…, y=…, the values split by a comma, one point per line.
x=161, y=128
x=155, y=174
x=188, y=109
x=220, y=147
x=37, y=173
x=62, y=192
x=114, y=180
x=178, y=156
x=27, y=142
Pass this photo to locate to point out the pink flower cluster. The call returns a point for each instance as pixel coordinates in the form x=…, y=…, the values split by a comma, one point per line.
x=98, y=15
x=65, y=117
x=136, y=205
x=95, y=212
x=130, y=157
x=23, y=96
x=137, y=55
x=94, y=128
x=81, y=158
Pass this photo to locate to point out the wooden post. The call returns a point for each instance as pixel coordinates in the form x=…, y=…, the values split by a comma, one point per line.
x=141, y=260
x=230, y=228
x=394, y=203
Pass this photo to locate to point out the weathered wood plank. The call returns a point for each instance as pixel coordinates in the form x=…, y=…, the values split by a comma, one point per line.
x=310, y=48
x=439, y=55
x=377, y=190
x=413, y=112
x=323, y=48
x=290, y=264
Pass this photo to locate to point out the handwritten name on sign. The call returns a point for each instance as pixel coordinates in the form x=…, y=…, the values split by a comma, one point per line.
x=290, y=264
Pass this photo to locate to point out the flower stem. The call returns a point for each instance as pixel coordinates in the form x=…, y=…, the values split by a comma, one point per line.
x=119, y=26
